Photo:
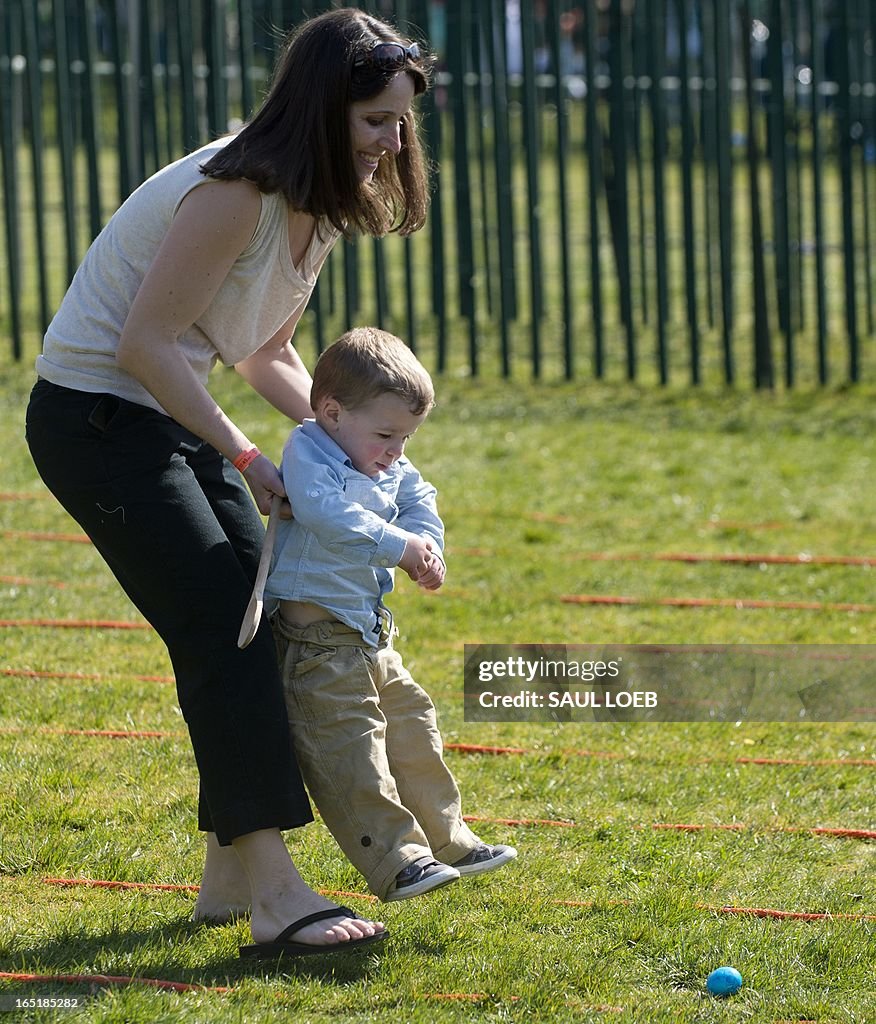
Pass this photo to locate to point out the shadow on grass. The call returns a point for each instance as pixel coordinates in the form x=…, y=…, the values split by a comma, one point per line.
x=166, y=953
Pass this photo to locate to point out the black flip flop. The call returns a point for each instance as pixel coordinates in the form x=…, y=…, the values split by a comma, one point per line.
x=282, y=946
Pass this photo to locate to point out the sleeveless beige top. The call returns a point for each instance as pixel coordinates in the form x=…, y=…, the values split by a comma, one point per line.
x=261, y=292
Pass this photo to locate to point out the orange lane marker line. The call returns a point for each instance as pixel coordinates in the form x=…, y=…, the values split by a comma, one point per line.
x=716, y=602
x=840, y=833
x=523, y=822
x=27, y=673
x=99, y=883
x=74, y=538
x=113, y=734
x=733, y=558
x=464, y=748
x=109, y=979
x=791, y=915
x=72, y=624
x=476, y=748
x=28, y=581
x=829, y=762
x=779, y=915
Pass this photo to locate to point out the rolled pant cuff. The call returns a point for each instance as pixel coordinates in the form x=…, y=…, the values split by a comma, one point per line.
x=462, y=843
x=382, y=878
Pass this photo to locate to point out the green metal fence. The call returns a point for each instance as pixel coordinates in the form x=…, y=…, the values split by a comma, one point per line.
x=655, y=190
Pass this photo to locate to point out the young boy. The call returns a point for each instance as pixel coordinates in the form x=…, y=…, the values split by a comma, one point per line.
x=364, y=732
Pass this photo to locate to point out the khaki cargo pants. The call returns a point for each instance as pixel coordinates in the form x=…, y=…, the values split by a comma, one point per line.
x=367, y=742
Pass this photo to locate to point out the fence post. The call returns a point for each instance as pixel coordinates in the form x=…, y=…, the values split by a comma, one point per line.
x=9, y=147
x=844, y=124
x=457, y=16
x=616, y=191
x=531, y=144
x=725, y=180
x=595, y=184
x=562, y=142
x=502, y=167
x=656, y=45
x=682, y=9
x=763, y=358
x=778, y=129
x=35, y=97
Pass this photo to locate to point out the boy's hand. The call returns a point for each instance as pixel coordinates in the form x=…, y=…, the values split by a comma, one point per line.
x=422, y=563
x=434, y=574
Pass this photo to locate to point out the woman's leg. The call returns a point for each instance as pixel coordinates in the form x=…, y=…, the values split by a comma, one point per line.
x=177, y=527
x=224, y=892
x=280, y=896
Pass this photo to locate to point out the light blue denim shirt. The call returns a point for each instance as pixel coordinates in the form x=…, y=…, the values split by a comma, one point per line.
x=349, y=530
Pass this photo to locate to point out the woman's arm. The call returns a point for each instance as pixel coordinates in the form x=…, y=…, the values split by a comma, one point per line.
x=213, y=225
x=277, y=373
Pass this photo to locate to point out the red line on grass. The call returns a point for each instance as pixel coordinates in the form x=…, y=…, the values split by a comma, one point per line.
x=475, y=748
x=737, y=524
x=113, y=734
x=73, y=624
x=726, y=557
x=857, y=762
x=464, y=748
x=183, y=986
x=98, y=883
x=75, y=538
x=21, y=496
x=797, y=915
x=27, y=581
x=109, y=979
x=785, y=915
x=25, y=673
x=841, y=833
x=715, y=602
x=780, y=915
x=526, y=822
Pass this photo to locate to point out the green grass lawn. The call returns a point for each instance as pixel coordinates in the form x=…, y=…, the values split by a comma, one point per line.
x=603, y=917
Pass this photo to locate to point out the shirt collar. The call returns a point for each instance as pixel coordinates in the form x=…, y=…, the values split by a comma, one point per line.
x=325, y=442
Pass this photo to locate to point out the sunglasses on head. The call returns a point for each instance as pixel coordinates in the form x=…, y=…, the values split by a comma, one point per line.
x=388, y=56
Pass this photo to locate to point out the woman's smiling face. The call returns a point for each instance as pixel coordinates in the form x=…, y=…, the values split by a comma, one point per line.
x=375, y=124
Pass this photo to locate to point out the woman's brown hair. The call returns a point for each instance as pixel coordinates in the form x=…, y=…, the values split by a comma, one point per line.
x=298, y=143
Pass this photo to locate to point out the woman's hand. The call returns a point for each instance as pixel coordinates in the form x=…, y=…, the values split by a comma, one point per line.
x=264, y=482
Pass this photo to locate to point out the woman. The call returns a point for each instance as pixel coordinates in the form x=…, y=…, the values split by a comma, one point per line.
x=214, y=258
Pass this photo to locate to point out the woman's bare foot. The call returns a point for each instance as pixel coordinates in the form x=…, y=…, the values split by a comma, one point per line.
x=280, y=896
x=224, y=894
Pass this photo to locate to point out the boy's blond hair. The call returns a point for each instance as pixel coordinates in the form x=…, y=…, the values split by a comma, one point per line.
x=365, y=363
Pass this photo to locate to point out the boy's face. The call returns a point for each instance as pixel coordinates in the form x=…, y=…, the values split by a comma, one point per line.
x=374, y=434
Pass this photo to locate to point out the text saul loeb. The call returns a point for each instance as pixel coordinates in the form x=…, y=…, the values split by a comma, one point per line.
x=568, y=670
x=569, y=699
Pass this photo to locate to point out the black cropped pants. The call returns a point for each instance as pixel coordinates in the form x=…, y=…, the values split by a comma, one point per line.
x=179, y=530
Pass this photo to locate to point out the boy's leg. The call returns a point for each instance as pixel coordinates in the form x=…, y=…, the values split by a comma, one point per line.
x=339, y=734
x=415, y=751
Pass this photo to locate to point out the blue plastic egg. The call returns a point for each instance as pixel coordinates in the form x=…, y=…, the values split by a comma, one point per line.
x=724, y=981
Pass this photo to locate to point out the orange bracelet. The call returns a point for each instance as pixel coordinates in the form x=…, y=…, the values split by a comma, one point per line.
x=245, y=458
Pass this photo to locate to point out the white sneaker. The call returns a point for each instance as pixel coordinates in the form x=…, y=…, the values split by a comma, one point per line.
x=423, y=875
x=485, y=858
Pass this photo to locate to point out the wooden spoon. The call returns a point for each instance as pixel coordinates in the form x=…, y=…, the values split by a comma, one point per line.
x=253, y=614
